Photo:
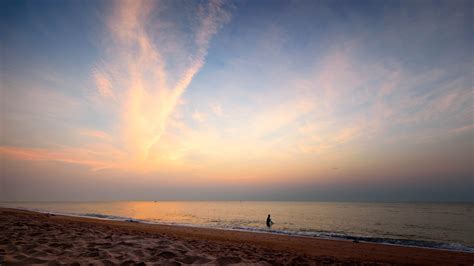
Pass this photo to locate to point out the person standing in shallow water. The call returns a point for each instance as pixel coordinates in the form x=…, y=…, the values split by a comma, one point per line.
x=269, y=221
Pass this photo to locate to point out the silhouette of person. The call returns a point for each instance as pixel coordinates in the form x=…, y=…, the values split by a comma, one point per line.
x=269, y=221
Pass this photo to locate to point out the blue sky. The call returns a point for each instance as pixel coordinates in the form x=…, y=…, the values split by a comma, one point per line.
x=298, y=100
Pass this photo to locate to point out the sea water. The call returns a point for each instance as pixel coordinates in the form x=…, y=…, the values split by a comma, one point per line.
x=432, y=225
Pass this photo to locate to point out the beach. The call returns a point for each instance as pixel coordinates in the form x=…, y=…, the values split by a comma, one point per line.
x=36, y=238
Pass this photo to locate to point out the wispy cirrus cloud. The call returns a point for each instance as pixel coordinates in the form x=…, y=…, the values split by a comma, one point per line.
x=143, y=89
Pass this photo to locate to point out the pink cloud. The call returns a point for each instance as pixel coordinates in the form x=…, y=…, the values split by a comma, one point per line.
x=135, y=75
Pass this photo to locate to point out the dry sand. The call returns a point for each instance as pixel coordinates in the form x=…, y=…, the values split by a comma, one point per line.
x=33, y=238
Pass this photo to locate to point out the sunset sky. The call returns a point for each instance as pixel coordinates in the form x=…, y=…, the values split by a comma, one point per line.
x=244, y=100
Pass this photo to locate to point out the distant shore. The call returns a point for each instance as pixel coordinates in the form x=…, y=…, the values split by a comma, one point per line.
x=34, y=238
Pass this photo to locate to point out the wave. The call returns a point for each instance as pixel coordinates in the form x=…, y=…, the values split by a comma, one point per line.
x=84, y=215
x=367, y=239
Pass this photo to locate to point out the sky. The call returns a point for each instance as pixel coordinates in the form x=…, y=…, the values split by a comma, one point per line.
x=236, y=100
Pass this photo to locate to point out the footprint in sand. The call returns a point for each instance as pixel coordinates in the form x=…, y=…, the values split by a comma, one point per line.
x=61, y=245
x=33, y=261
x=19, y=257
x=138, y=253
x=30, y=247
x=167, y=255
x=194, y=259
x=299, y=260
x=108, y=263
x=161, y=247
x=37, y=253
x=131, y=262
x=164, y=242
x=228, y=260
x=128, y=262
x=126, y=243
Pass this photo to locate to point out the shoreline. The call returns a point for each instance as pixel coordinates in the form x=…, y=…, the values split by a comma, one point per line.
x=203, y=244
x=350, y=238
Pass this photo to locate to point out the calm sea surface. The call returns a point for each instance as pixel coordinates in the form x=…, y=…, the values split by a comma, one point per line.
x=449, y=226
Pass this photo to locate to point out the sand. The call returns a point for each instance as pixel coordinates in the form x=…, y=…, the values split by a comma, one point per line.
x=34, y=238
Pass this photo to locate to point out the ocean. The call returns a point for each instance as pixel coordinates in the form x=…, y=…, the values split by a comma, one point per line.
x=430, y=225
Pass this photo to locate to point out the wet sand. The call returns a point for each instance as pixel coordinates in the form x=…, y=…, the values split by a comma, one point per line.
x=34, y=238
